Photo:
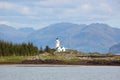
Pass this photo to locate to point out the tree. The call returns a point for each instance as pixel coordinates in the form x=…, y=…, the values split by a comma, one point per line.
x=24, y=49
x=47, y=49
x=41, y=50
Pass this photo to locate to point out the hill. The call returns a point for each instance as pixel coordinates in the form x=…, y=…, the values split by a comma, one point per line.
x=89, y=38
x=27, y=30
x=115, y=49
x=10, y=34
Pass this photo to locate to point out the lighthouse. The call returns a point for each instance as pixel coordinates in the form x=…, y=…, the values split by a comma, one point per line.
x=57, y=43
x=58, y=47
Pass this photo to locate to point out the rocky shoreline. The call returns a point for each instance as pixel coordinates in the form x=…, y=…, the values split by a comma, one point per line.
x=60, y=62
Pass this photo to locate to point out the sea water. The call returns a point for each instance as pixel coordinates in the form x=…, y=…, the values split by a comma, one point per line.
x=59, y=72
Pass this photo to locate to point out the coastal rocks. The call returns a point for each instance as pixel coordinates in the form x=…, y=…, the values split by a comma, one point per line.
x=104, y=62
x=79, y=62
x=46, y=61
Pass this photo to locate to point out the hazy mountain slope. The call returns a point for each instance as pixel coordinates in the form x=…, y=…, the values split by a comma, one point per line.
x=11, y=34
x=96, y=37
x=27, y=30
x=88, y=38
x=93, y=37
x=47, y=35
x=115, y=49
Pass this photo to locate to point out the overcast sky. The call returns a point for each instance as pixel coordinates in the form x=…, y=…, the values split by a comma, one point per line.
x=40, y=13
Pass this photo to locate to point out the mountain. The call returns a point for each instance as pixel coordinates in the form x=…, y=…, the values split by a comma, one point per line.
x=47, y=35
x=97, y=37
x=8, y=33
x=88, y=38
x=115, y=49
x=27, y=30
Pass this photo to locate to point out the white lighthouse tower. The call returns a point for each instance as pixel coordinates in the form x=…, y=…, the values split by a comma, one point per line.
x=57, y=43
x=58, y=47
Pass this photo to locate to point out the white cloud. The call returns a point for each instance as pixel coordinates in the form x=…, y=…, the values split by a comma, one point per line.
x=86, y=7
x=15, y=7
x=5, y=5
x=46, y=11
x=106, y=7
x=52, y=2
x=25, y=10
x=79, y=10
x=55, y=3
x=4, y=22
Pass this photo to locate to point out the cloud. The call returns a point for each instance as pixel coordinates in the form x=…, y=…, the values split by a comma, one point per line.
x=86, y=7
x=79, y=10
x=48, y=11
x=14, y=8
x=51, y=2
x=25, y=10
x=106, y=7
x=55, y=3
x=4, y=22
x=5, y=5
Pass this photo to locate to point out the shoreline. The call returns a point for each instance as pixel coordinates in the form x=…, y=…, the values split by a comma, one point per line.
x=60, y=62
x=51, y=65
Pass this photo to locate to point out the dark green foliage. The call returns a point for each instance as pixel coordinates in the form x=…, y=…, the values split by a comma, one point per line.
x=94, y=53
x=109, y=54
x=41, y=50
x=49, y=50
x=24, y=49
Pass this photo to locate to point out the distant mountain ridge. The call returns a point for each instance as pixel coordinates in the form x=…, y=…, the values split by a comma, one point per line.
x=11, y=34
x=27, y=29
x=89, y=38
x=115, y=49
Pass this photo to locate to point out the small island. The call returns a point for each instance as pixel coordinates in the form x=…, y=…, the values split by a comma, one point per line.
x=27, y=53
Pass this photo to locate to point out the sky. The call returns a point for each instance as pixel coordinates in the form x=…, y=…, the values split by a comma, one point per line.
x=41, y=13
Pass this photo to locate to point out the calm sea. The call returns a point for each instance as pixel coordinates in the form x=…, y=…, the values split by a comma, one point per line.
x=49, y=72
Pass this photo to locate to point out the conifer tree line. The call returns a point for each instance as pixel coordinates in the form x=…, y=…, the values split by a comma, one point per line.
x=23, y=49
x=10, y=49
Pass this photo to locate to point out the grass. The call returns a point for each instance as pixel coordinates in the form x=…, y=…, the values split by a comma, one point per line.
x=59, y=56
x=13, y=58
x=67, y=57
